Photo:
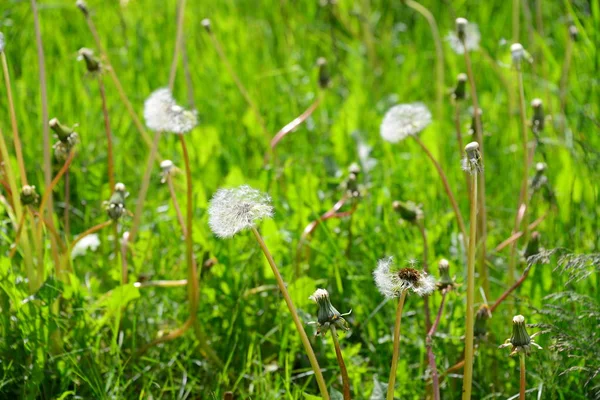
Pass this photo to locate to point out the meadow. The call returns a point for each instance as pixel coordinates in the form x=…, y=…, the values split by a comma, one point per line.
x=179, y=178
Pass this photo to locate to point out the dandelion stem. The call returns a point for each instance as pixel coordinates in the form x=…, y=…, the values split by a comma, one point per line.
x=439, y=53
x=421, y=226
x=459, y=139
x=61, y=172
x=176, y=204
x=517, y=235
x=470, y=312
x=67, y=226
x=18, y=235
x=161, y=283
x=13, y=121
x=510, y=290
x=516, y=15
x=109, y=142
x=340, y=360
x=430, y=355
x=438, y=167
x=144, y=189
x=522, y=383
x=178, y=42
x=296, y=318
x=116, y=81
x=481, y=183
x=396, y=351
x=564, y=79
x=238, y=82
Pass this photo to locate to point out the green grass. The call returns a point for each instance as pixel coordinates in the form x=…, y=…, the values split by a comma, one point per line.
x=273, y=47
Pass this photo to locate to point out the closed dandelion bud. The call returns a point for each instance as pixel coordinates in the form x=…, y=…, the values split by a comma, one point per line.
x=461, y=27
x=472, y=161
x=445, y=282
x=28, y=195
x=480, y=326
x=460, y=89
x=324, y=77
x=63, y=132
x=82, y=5
x=539, y=179
x=206, y=24
x=518, y=54
x=520, y=341
x=91, y=62
x=2, y=42
x=115, y=207
x=409, y=211
x=573, y=32
x=533, y=246
x=351, y=184
x=538, y=114
x=167, y=169
x=327, y=314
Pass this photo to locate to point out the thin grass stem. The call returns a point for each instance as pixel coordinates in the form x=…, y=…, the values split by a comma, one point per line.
x=340, y=360
x=178, y=42
x=109, y=142
x=435, y=380
x=396, y=351
x=421, y=225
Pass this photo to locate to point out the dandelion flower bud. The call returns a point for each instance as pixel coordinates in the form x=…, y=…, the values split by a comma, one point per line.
x=392, y=282
x=480, y=326
x=323, y=72
x=466, y=36
x=28, y=195
x=460, y=89
x=404, y=120
x=409, y=211
x=351, y=185
x=446, y=282
x=538, y=114
x=63, y=132
x=206, y=24
x=167, y=169
x=163, y=114
x=520, y=341
x=91, y=62
x=533, y=246
x=472, y=162
x=573, y=32
x=234, y=210
x=82, y=5
x=539, y=179
x=115, y=207
x=327, y=314
x=2, y=42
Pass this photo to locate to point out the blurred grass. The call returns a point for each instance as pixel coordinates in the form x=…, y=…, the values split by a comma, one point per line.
x=273, y=46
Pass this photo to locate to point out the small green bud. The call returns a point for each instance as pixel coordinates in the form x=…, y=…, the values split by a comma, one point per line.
x=445, y=282
x=461, y=27
x=28, y=195
x=538, y=115
x=520, y=341
x=115, y=207
x=91, y=62
x=327, y=314
x=324, y=77
x=480, y=326
x=82, y=5
x=460, y=89
x=409, y=211
x=62, y=131
x=533, y=246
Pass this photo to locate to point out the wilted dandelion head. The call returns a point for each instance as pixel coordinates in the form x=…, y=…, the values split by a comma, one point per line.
x=472, y=162
x=392, y=282
x=234, y=210
x=92, y=63
x=517, y=52
x=2, y=42
x=327, y=314
x=29, y=195
x=520, y=341
x=404, y=120
x=206, y=24
x=472, y=37
x=82, y=5
x=163, y=114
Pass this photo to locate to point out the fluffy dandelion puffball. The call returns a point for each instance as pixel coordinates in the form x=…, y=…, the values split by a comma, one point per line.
x=472, y=39
x=88, y=243
x=391, y=282
x=404, y=120
x=163, y=114
x=234, y=210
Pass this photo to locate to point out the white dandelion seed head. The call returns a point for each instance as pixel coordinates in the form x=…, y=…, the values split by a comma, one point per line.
x=163, y=114
x=472, y=38
x=404, y=120
x=87, y=243
x=391, y=283
x=234, y=210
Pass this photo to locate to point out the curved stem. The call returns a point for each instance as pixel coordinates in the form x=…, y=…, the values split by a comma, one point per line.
x=13, y=122
x=522, y=380
x=295, y=317
x=340, y=360
x=396, y=351
x=470, y=312
x=440, y=171
x=439, y=53
x=430, y=355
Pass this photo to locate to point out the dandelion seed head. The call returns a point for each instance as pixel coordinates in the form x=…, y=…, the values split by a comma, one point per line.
x=234, y=210
x=163, y=114
x=87, y=243
x=471, y=33
x=404, y=120
x=391, y=283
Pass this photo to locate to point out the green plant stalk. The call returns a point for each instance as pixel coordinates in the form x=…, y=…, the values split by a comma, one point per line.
x=564, y=78
x=18, y=210
x=516, y=15
x=435, y=380
x=178, y=42
x=522, y=374
x=340, y=360
x=459, y=139
x=176, y=205
x=109, y=142
x=440, y=171
x=439, y=54
x=396, y=351
x=470, y=312
x=421, y=226
x=295, y=317
x=13, y=122
x=485, y=280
